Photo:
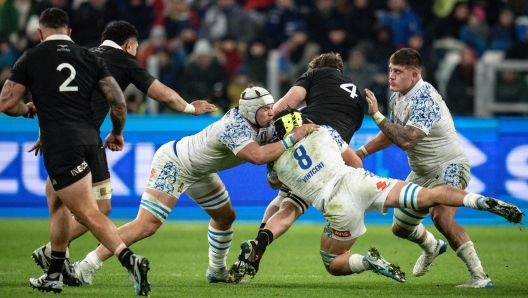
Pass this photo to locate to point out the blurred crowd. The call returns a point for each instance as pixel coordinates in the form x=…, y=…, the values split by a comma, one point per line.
x=207, y=49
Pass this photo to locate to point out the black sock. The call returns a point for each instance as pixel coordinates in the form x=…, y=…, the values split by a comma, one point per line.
x=264, y=238
x=56, y=262
x=124, y=258
x=262, y=225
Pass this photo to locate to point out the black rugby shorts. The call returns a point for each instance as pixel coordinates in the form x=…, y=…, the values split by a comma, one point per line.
x=71, y=165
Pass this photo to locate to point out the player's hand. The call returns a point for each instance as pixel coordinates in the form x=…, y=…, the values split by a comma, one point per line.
x=301, y=132
x=372, y=102
x=202, y=107
x=114, y=142
x=32, y=111
x=36, y=147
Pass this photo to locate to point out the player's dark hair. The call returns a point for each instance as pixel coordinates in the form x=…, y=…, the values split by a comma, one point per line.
x=119, y=32
x=54, y=18
x=327, y=60
x=406, y=57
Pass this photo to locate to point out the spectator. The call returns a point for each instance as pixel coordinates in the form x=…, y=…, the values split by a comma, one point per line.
x=461, y=89
x=319, y=19
x=511, y=87
x=520, y=48
x=139, y=14
x=380, y=50
x=360, y=22
x=8, y=57
x=204, y=77
x=256, y=62
x=360, y=71
x=225, y=18
x=298, y=51
x=282, y=19
x=14, y=15
x=503, y=33
x=449, y=27
x=476, y=32
x=178, y=15
x=157, y=40
x=33, y=38
x=402, y=20
x=232, y=58
x=238, y=85
x=90, y=20
x=337, y=40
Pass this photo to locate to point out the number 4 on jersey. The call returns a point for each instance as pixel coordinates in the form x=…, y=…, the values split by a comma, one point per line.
x=351, y=88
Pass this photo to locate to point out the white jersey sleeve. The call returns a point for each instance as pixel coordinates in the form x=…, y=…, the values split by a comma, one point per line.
x=425, y=112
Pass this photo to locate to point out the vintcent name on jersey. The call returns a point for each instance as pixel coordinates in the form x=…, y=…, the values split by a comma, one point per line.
x=312, y=171
x=78, y=169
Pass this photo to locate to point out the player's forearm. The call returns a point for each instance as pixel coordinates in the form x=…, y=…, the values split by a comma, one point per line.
x=168, y=97
x=19, y=109
x=378, y=143
x=404, y=137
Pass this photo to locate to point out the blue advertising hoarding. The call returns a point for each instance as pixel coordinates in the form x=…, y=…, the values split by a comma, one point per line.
x=497, y=149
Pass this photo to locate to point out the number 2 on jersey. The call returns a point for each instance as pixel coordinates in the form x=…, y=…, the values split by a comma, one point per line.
x=351, y=88
x=302, y=158
x=64, y=86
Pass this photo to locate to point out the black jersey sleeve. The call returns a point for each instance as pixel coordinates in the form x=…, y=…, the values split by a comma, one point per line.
x=18, y=73
x=140, y=77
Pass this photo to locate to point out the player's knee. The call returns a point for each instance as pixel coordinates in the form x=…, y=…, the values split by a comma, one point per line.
x=443, y=221
x=227, y=218
x=104, y=207
x=148, y=229
x=399, y=231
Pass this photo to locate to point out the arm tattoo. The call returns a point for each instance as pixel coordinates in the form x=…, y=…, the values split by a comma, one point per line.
x=407, y=136
x=7, y=91
x=113, y=94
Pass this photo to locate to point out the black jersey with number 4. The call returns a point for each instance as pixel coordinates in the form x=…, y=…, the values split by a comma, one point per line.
x=125, y=69
x=61, y=77
x=332, y=99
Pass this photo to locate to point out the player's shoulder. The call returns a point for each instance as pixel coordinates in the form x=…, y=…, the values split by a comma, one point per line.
x=233, y=119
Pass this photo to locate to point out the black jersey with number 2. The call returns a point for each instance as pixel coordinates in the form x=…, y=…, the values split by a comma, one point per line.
x=332, y=99
x=61, y=77
x=125, y=69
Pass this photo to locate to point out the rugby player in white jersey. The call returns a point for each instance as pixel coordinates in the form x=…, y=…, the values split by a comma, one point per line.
x=315, y=172
x=191, y=164
x=421, y=124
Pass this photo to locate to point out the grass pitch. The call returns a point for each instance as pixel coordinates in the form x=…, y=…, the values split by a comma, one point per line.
x=291, y=266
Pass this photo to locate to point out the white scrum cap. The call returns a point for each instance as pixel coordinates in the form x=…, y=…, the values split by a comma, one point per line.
x=252, y=99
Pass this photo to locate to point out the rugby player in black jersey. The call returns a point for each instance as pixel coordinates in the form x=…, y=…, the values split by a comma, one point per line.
x=118, y=49
x=327, y=97
x=61, y=77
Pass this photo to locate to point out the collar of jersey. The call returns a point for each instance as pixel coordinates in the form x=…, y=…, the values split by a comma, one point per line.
x=418, y=85
x=58, y=37
x=110, y=43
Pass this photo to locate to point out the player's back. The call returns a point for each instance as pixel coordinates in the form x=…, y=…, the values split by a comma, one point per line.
x=62, y=77
x=332, y=99
x=312, y=163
